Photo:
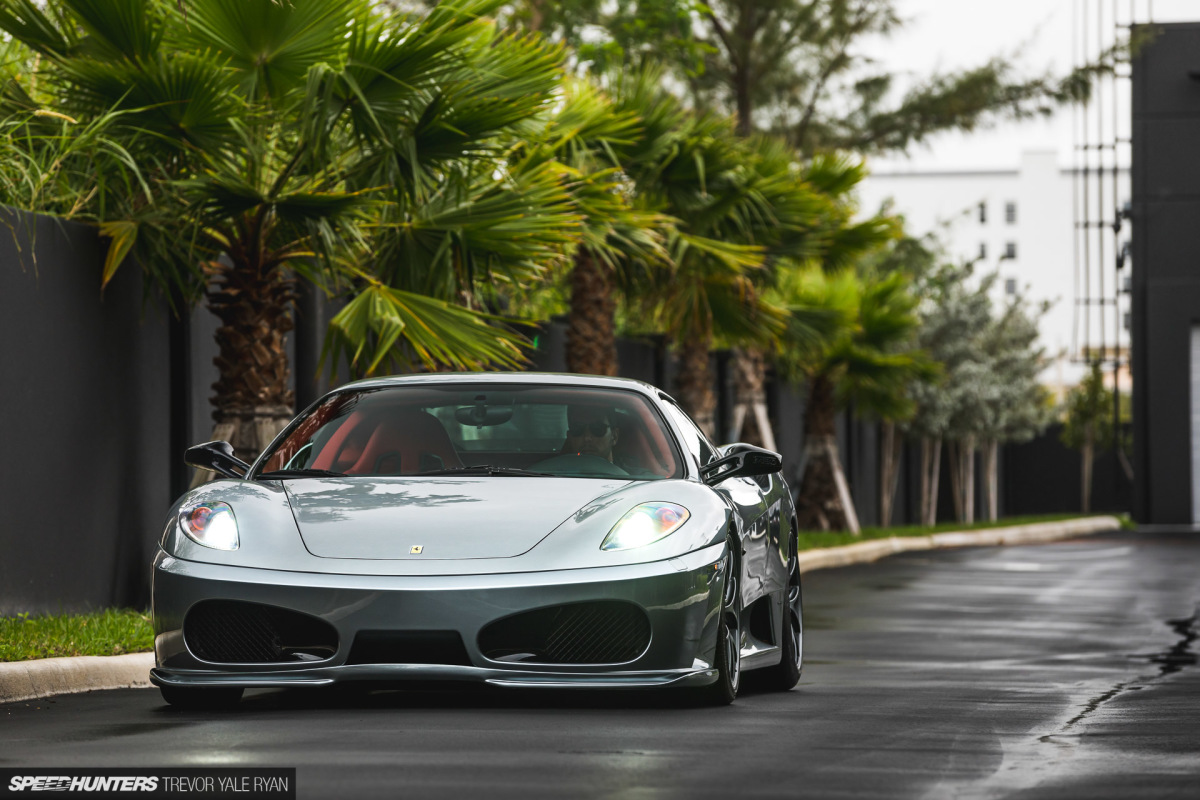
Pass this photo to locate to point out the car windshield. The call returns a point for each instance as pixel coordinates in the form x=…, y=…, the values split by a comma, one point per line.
x=479, y=430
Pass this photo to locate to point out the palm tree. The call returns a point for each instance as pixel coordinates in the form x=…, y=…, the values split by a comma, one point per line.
x=706, y=183
x=864, y=358
x=598, y=144
x=735, y=203
x=321, y=141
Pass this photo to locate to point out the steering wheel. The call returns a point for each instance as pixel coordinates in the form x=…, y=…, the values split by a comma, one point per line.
x=585, y=463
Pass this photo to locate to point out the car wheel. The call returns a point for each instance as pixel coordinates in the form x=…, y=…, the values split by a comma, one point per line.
x=786, y=674
x=729, y=638
x=201, y=699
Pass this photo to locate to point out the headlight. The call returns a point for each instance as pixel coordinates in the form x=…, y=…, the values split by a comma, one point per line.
x=210, y=524
x=645, y=524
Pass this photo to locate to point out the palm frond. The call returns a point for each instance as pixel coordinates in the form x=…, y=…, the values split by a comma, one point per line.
x=25, y=21
x=403, y=329
x=118, y=28
x=271, y=45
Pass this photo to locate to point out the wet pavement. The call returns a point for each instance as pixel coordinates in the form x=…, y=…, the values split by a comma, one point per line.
x=1051, y=671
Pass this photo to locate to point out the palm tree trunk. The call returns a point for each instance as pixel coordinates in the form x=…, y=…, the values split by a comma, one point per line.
x=890, y=449
x=694, y=383
x=251, y=400
x=750, y=422
x=824, y=501
x=591, y=331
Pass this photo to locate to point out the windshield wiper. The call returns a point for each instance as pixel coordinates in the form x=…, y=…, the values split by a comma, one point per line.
x=282, y=474
x=487, y=469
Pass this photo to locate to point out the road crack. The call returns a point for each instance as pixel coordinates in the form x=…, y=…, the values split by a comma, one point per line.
x=1180, y=654
x=1173, y=659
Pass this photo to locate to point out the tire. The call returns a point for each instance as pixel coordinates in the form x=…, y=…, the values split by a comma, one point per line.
x=785, y=675
x=729, y=637
x=197, y=699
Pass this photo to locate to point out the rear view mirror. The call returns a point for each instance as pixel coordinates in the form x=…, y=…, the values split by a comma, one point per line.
x=218, y=457
x=485, y=415
x=743, y=461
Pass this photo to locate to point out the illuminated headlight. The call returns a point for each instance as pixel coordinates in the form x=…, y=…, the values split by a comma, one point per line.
x=644, y=525
x=211, y=525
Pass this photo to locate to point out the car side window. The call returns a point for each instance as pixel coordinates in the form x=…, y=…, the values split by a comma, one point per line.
x=693, y=438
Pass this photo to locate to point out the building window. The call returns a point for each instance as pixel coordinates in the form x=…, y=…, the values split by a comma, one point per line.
x=1010, y=213
x=983, y=212
x=982, y=251
x=1010, y=286
x=1010, y=250
x=1128, y=320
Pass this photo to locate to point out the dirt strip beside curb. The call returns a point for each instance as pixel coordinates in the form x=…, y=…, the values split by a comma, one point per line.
x=876, y=549
x=43, y=677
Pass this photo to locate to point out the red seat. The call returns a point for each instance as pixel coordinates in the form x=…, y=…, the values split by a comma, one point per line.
x=405, y=443
x=633, y=451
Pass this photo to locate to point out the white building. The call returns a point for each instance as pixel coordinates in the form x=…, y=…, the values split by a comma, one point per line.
x=1022, y=223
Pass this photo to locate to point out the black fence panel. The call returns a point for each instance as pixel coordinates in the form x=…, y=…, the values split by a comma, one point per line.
x=85, y=406
x=1043, y=477
x=101, y=392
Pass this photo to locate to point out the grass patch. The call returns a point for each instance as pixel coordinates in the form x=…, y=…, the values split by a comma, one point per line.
x=103, y=633
x=814, y=540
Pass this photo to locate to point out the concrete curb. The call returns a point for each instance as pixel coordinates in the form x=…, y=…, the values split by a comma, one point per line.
x=43, y=677
x=875, y=549
x=29, y=680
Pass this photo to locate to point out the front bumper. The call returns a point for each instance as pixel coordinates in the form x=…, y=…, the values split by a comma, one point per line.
x=680, y=596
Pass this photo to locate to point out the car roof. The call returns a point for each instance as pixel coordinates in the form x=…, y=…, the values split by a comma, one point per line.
x=544, y=378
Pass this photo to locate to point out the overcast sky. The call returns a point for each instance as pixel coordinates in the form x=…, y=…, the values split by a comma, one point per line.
x=952, y=34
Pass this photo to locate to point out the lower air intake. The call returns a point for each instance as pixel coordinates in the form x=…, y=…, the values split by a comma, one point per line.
x=602, y=632
x=236, y=632
x=408, y=647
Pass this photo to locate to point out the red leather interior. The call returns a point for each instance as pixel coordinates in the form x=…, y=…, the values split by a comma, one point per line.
x=402, y=443
x=632, y=450
x=343, y=449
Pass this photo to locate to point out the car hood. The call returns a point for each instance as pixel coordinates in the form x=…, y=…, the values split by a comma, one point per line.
x=446, y=518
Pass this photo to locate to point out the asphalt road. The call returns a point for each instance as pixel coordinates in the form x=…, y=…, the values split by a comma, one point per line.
x=1054, y=671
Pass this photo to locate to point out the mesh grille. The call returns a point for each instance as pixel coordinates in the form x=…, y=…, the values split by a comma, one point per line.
x=605, y=632
x=233, y=632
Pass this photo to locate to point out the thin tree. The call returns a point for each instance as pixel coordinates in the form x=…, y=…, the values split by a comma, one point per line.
x=803, y=68
x=953, y=311
x=1021, y=407
x=1088, y=427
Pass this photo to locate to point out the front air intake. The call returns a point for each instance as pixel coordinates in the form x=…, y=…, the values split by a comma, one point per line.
x=601, y=632
x=236, y=632
x=408, y=647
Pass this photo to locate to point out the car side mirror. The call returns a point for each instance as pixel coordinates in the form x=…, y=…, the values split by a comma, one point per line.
x=218, y=457
x=742, y=461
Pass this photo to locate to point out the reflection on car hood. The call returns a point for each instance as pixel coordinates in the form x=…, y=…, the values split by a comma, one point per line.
x=447, y=518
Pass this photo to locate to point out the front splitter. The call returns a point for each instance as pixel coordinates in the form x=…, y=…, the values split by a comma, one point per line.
x=401, y=673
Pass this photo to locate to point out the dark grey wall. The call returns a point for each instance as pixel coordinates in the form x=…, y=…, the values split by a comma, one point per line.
x=1043, y=477
x=1166, y=268
x=101, y=393
x=84, y=403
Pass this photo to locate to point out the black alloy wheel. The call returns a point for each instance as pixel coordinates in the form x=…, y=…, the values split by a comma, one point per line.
x=786, y=674
x=728, y=659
